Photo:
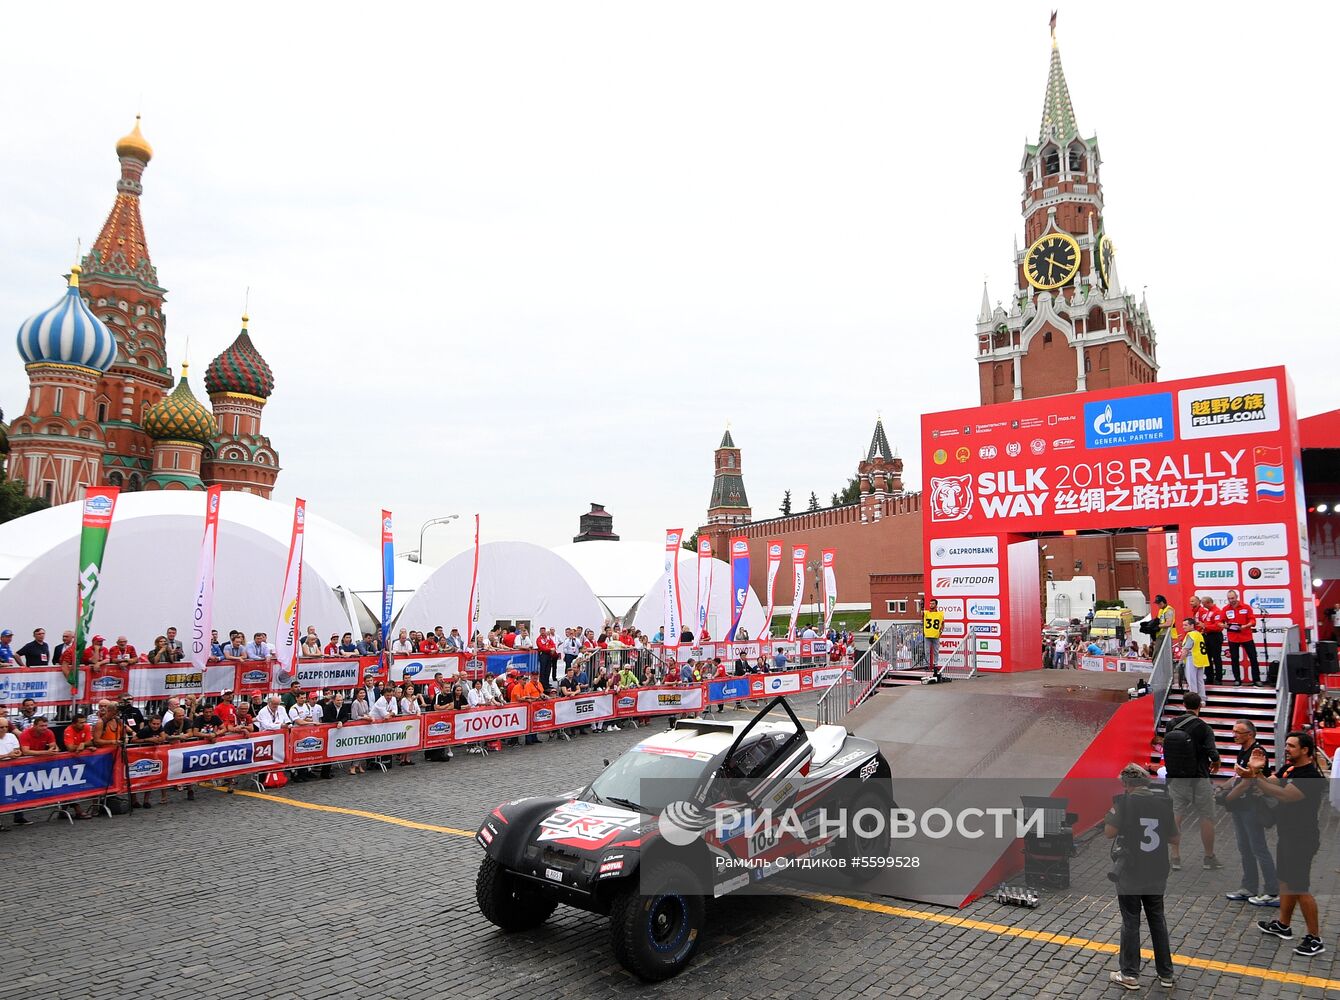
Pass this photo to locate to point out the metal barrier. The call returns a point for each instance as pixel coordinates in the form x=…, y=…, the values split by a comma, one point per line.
x=1161, y=679
x=857, y=682
x=966, y=655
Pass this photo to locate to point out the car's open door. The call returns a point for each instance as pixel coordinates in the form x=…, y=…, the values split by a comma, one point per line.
x=767, y=768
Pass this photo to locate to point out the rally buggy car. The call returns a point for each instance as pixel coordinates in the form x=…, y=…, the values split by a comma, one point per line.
x=680, y=819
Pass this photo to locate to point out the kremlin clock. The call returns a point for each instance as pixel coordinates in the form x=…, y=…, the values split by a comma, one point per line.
x=1107, y=253
x=1052, y=261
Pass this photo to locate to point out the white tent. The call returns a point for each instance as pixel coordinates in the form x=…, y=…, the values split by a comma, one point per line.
x=518, y=581
x=649, y=615
x=619, y=572
x=149, y=568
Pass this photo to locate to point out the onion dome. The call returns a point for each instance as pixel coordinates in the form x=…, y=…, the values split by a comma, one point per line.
x=68, y=334
x=180, y=416
x=240, y=369
x=135, y=145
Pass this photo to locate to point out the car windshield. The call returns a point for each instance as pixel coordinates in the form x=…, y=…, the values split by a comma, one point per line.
x=651, y=778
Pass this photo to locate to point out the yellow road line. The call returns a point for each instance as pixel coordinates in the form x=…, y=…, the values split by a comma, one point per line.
x=1071, y=941
x=986, y=927
x=409, y=824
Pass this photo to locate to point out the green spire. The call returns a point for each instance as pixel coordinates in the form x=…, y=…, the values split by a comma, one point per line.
x=1058, y=114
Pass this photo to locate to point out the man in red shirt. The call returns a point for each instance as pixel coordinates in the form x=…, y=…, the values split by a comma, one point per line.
x=1239, y=621
x=1210, y=620
x=509, y=638
x=123, y=653
x=38, y=740
x=547, y=653
x=225, y=710
x=96, y=654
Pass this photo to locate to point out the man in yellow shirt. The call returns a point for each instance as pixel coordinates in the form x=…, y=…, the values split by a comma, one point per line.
x=1194, y=657
x=932, y=624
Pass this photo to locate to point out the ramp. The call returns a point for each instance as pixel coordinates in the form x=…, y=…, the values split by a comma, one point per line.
x=983, y=744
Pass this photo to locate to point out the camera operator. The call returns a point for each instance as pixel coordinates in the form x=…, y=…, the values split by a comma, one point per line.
x=1142, y=826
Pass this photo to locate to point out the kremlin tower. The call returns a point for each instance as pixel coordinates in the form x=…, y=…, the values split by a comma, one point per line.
x=99, y=410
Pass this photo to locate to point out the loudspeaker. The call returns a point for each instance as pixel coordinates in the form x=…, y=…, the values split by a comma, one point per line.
x=1327, y=662
x=1302, y=673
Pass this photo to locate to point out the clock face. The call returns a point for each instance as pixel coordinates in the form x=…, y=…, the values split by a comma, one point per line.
x=1052, y=261
x=1107, y=253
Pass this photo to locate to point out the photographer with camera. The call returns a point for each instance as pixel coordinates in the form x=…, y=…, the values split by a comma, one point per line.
x=1141, y=827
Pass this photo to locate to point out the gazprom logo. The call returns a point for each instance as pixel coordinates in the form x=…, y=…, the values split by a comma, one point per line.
x=1216, y=540
x=1136, y=420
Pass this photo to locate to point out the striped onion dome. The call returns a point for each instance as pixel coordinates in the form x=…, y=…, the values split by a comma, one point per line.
x=240, y=369
x=180, y=416
x=68, y=334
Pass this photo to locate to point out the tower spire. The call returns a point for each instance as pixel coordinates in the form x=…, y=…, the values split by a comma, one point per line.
x=1058, y=114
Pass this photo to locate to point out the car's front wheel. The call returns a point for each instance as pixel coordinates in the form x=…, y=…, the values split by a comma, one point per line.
x=655, y=926
x=505, y=899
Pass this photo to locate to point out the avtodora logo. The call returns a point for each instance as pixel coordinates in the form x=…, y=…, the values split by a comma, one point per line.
x=951, y=497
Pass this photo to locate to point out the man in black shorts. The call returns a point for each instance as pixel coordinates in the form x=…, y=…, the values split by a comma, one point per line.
x=1299, y=790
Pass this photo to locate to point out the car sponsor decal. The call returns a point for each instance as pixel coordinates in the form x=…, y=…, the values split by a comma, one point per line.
x=869, y=768
x=675, y=752
x=585, y=825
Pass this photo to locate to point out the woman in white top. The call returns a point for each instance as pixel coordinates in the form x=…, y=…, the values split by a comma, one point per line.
x=492, y=693
x=410, y=704
x=359, y=709
x=475, y=696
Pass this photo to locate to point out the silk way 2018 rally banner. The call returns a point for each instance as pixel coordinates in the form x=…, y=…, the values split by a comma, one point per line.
x=1212, y=463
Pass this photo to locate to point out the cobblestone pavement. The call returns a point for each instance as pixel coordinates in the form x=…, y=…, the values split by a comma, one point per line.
x=256, y=896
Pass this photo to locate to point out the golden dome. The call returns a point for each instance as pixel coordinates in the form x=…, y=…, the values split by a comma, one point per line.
x=180, y=416
x=135, y=144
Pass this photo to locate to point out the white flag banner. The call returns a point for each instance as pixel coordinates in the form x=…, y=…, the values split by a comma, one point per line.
x=290, y=602
x=830, y=585
x=672, y=617
x=774, y=564
x=798, y=554
x=704, y=585
x=202, y=616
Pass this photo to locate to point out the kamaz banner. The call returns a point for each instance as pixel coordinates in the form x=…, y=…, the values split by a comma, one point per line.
x=99, y=505
x=671, y=616
x=62, y=778
x=739, y=581
x=202, y=615
x=290, y=600
x=1212, y=463
x=798, y=554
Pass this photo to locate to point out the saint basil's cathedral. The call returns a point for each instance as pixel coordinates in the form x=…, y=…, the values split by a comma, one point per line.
x=102, y=409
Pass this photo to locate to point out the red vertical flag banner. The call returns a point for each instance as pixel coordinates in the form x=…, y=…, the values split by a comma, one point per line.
x=774, y=565
x=290, y=601
x=798, y=555
x=202, y=615
x=472, y=613
x=99, y=505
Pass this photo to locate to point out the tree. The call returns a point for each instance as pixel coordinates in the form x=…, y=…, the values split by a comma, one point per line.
x=851, y=493
x=814, y=501
x=691, y=543
x=786, y=504
x=14, y=502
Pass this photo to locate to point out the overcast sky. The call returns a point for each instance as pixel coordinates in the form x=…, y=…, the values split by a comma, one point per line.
x=512, y=258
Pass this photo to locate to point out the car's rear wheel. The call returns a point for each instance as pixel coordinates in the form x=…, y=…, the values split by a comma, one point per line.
x=655, y=926
x=867, y=839
x=505, y=899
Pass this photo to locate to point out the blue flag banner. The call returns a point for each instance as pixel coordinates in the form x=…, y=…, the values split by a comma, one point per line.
x=56, y=779
x=739, y=581
x=388, y=576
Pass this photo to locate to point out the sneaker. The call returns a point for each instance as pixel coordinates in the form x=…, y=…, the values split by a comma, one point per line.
x=22, y=821
x=1125, y=982
x=1176, y=864
x=1240, y=895
x=1282, y=931
x=1211, y=863
x=1166, y=982
x=612, y=729
x=1309, y=946
x=450, y=754
x=1265, y=899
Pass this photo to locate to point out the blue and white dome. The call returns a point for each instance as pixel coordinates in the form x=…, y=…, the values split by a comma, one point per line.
x=68, y=334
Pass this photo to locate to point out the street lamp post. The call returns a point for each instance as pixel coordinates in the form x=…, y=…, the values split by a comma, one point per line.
x=417, y=556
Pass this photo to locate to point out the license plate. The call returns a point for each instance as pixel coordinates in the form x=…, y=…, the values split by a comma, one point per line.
x=553, y=874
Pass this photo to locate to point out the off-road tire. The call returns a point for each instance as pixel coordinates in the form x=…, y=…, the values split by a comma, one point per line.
x=506, y=901
x=656, y=934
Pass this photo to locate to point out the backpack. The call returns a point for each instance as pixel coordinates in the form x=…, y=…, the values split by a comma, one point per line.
x=1181, y=756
